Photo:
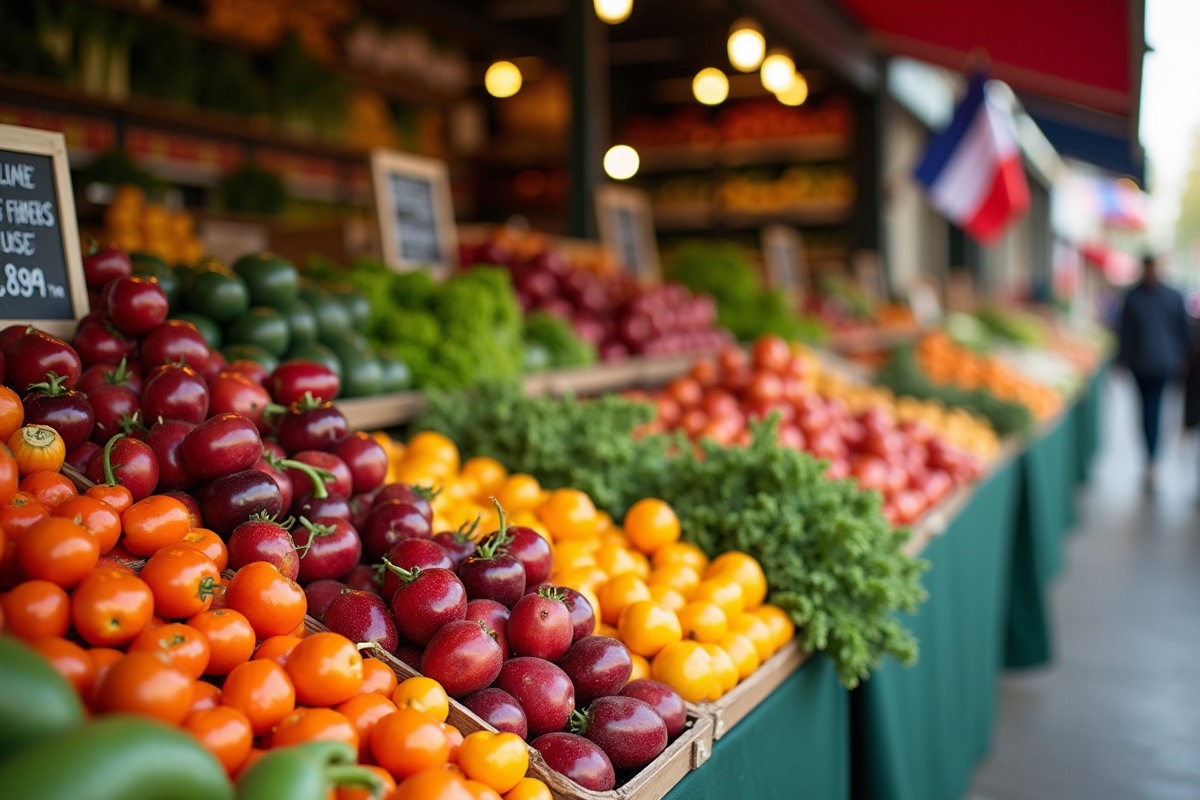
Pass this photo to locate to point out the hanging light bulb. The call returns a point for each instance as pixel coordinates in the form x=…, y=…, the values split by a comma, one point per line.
x=710, y=86
x=621, y=162
x=778, y=71
x=502, y=79
x=746, y=45
x=613, y=11
x=795, y=94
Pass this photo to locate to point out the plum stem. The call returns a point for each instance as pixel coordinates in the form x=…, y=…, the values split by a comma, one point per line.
x=51, y=387
x=317, y=475
x=580, y=721
x=314, y=530
x=406, y=575
x=110, y=478
x=552, y=593
x=120, y=376
x=493, y=542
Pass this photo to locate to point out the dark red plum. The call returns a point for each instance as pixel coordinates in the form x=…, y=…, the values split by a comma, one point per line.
x=336, y=474
x=459, y=544
x=534, y=553
x=665, y=701
x=261, y=539
x=409, y=553
x=578, y=759
x=362, y=617
x=221, y=445
x=366, y=460
x=494, y=617
x=174, y=392
x=540, y=625
x=391, y=521
x=497, y=708
x=329, y=548
x=126, y=461
x=463, y=658
x=426, y=600
x=166, y=440
x=492, y=574
x=65, y=410
x=416, y=496
x=233, y=499
x=583, y=616
x=628, y=730
x=598, y=666
x=310, y=426
x=364, y=578
x=410, y=654
x=543, y=690
x=320, y=594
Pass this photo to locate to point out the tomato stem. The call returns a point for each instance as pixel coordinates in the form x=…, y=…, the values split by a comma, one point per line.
x=493, y=542
x=110, y=479
x=314, y=530
x=317, y=475
x=406, y=575
x=52, y=386
x=120, y=376
x=580, y=722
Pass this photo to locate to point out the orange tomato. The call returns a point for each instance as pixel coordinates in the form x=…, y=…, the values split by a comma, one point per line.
x=209, y=543
x=742, y=651
x=224, y=731
x=432, y=784
x=230, y=638
x=682, y=553
x=262, y=691
x=12, y=413
x=641, y=667
x=757, y=632
x=378, y=678
x=724, y=590
x=617, y=593
x=36, y=609
x=182, y=579
x=679, y=576
x=488, y=473
x=781, y=625
x=743, y=569
x=651, y=524
x=703, y=621
x=346, y=792
x=364, y=711
x=326, y=669
x=20, y=514
x=529, y=789
x=314, y=725
x=8, y=476
x=614, y=560
x=69, y=660
x=423, y=694
x=666, y=596
x=686, y=668
x=102, y=659
x=37, y=447
x=519, y=492
x=454, y=738
x=647, y=627
x=184, y=647
x=434, y=447
x=408, y=741
x=154, y=522
x=568, y=514
x=116, y=496
x=49, y=488
x=58, y=550
x=274, y=604
x=98, y=517
x=204, y=696
x=496, y=759
x=277, y=648
x=144, y=683
x=725, y=670
x=110, y=608
x=480, y=790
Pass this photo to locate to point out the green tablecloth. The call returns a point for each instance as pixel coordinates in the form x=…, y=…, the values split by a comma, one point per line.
x=795, y=744
x=1087, y=420
x=919, y=732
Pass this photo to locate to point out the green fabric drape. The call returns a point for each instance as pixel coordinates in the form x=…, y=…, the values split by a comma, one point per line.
x=920, y=731
x=795, y=744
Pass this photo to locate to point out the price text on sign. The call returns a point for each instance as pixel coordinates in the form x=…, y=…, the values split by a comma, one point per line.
x=416, y=220
x=33, y=264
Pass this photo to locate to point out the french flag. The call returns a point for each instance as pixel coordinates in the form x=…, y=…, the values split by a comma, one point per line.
x=972, y=170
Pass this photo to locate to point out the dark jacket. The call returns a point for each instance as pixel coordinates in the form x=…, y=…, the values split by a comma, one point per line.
x=1154, y=332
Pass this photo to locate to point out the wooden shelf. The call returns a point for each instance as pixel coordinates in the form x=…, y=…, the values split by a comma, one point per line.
x=744, y=154
x=809, y=214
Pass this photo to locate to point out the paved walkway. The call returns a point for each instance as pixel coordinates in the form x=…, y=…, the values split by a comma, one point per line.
x=1117, y=715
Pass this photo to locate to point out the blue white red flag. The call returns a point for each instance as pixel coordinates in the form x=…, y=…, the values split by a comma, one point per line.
x=972, y=171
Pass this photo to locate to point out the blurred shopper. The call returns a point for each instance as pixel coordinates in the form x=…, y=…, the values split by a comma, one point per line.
x=1155, y=335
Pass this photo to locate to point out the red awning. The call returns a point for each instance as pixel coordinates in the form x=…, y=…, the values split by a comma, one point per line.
x=1087, y=52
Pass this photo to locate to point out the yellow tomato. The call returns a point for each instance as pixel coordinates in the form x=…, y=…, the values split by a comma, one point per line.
x=641, y=667
x=462, y=513
x=568, y=514
x=679, y=576
x=615, y=536
x=618, y=592
x=650, y=524
x=529, y=789
x=574, y=554
x=781, y=625
x=591, y=577
x=604, y=629
x=496, y=759
x=423, y=694
x=727, y=672
x=680, y=552
x=742, y=651
x=686, y=668
x=604, y=522
x=429, y=474
x=703, y=621
x=666, y=596
x=641, y=564
x=746, y=571
x=527, y=519
x=757, y=632
x=615, y=560
x=488, y=473
x=519, y=492
x=436, y=447
x=647, y=627
x=725, y=591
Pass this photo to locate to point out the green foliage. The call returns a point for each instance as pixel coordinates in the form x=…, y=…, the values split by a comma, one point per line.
x=903, y=376
x=164, y=63
x=556, y=335
x=255, y=190
x=228, y=83
x=831, y=559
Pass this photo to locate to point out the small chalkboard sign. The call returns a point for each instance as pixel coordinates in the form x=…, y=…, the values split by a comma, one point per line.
x=415, y=212
x=626, y=226
x=41, y=269
x=783, y=256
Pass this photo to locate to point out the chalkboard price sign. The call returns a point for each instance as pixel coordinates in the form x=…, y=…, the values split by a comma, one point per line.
x=414, y=211
x=626, y=227
x=41, y=271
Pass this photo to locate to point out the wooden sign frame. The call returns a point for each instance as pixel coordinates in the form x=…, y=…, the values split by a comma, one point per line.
x=611, y=201
x=15, y=139
x=386, y=163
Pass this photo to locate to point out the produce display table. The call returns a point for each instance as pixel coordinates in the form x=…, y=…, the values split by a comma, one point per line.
x=795, y=744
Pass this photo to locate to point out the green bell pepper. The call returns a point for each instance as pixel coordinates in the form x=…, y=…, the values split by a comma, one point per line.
x=154, y=268
x=35, y=701
x=261, y=326
x=271, y=279
x=305, y=772
x=115, y=758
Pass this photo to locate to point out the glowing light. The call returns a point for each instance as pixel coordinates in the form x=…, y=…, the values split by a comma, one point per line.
x=502, y=79
x=710, y=86
x=796, y=94
x=613, y=11
x=746, y=45
x=778, y=71
x=621, y=162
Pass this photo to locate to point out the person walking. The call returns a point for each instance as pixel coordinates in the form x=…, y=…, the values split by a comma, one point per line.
x=1154, y=342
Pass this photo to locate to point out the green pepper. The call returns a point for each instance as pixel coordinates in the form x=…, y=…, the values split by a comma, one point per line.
x=302, y=323
x=221, y=295
x=332, y=317
x=397, y=377
x=262, y=326
x=115, y=758
x=35, y=701
x=271, y=279
x=316, y=353
x=154, y=268
x=250, y=352
x=305, y=772
x=361, y=373
x=356, y=305
x=210, y=330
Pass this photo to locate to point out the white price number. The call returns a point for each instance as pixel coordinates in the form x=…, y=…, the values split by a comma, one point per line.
x=26, y=282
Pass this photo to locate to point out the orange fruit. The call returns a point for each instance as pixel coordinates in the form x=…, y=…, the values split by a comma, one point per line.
x=651, y=524
x=703, y=621
x=647, y=627
x=617, y=593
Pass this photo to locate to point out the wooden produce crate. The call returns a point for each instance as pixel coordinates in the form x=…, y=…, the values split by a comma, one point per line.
x=688, y=752
x=739, y=701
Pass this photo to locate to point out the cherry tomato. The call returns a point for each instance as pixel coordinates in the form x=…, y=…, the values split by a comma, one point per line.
x=110, y=608
x=291, y=380
x=135, y=305
x=236, y=393
x=34, y=354
x=183, y=581
x=175, y=392
x=153, y=523
x=173, y=342
x=224, y=731
x=378, y=678
x=37, y=447
x=262, y=691
x=432, y=784
x=99, y=342
x=364, y=711
x=230, y=638
x=326, y=669
x=185, y=648
x=129, y=462
x=314, y=725
x=144, y=683
x=277, y=648
x=97, y=517
x=104, y=263
x=69, y=660
x=49, y=488
x=209, y=543
x=274, y=604
x=205, y=695
x=409, y=741
x=496, y=759
x=36, y=609
x=58, y=550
